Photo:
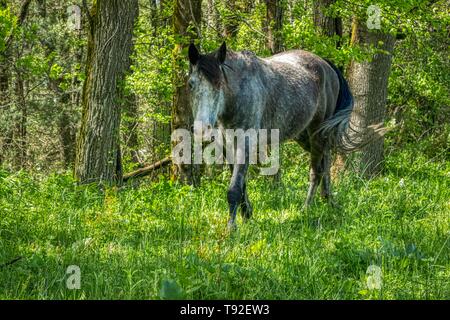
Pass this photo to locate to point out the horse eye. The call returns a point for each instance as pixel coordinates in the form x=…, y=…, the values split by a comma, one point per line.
x=191, y=84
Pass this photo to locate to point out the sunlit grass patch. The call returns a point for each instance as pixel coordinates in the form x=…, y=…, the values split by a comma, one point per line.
x=163, y=240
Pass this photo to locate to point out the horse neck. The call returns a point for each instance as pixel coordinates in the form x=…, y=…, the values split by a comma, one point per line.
x=238, y=114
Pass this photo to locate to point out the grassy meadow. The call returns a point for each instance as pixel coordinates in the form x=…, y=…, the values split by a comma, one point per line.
x=160, y=240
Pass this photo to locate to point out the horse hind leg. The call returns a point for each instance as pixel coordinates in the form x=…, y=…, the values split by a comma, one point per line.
x=320, y=167
x=305, y=141
x=326, y=181
x=317, y=169
x=315, y=176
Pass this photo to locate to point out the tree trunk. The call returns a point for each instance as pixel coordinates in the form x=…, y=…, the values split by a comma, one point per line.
x=230, y=23
x=67, y=134
x=66, y=124
x=109, y=48
x=154, y=16
x=186, y=13
x=5, y=137
x=131, y=112
x=6, y=134
x=325, y=24
x=213, y=18
x=20, y=139
x=368, y=82
x=6, y=101
x=274, y=25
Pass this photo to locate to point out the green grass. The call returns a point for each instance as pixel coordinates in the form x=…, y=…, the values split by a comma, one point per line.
x=161, y=240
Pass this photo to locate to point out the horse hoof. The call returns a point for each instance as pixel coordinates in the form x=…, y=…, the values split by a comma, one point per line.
x=232, y=226
x=306, y=206
x=247, y=212
x=334, y=204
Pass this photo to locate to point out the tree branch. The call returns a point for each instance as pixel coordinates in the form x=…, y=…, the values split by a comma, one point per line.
x=142, y=172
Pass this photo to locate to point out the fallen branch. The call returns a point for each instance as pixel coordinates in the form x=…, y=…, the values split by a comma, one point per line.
x=142, y=172
x=10, y=262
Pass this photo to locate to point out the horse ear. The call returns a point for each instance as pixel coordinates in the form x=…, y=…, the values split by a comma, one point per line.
x=194, y=55
x=222, y=53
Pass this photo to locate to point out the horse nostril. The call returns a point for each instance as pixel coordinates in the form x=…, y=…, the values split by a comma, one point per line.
x=213, y=139
x=192, y=129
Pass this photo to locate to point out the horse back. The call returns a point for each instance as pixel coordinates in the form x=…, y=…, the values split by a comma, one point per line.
x=305, y=91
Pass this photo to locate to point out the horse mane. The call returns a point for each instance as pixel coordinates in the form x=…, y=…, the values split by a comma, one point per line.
x=209, y=66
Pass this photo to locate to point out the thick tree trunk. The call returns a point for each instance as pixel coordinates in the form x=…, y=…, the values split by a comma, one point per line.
x=187, y=12
x=109, y=48
x=274, y=25
x=368, y=82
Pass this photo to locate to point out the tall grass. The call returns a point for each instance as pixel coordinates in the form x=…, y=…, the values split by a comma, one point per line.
x=162, y=240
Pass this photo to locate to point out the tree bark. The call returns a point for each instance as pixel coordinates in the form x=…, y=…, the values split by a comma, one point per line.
x=19, y=130
x=230, y=23
x=213, y=18
x=20, y=134
x=274, y=25
x=187, y=12
x=131, y=112
x=67, y=135
x=65, y=122
x=109, y=48
x=326, y=25
x=21, y=121
x=66, y=126
x=6, y=135
x=368, y=81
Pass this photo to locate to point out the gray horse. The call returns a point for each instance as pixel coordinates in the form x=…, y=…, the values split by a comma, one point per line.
x=302, y=95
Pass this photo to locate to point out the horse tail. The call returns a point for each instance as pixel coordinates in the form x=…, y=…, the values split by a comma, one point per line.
x=341, y=134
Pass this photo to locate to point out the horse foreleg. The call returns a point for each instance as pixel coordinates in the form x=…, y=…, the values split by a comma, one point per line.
x=236, y=192
x=246, y=207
